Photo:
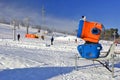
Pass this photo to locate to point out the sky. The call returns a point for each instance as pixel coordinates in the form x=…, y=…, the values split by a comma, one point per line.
x=63, y=14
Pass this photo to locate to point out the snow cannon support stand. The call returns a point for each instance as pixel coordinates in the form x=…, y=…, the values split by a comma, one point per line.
x=90, y=32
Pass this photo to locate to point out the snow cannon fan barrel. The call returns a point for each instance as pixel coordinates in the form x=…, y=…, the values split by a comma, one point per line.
x=90, y=32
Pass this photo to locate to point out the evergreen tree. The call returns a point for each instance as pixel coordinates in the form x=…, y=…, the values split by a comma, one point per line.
x=109, y=34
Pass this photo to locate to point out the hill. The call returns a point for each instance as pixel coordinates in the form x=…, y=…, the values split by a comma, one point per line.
x=33, y=59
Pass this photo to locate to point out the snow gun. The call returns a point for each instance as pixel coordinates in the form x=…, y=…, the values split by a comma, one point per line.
x=90, y=33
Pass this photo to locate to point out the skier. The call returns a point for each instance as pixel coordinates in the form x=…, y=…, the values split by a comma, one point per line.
x=52, y=39
x=18, y=37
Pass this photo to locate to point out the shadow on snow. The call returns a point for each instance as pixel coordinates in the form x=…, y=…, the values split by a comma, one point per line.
x=117, y=65
x=34, y=73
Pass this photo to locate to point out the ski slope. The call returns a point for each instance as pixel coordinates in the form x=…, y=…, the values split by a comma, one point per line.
x=36, y=59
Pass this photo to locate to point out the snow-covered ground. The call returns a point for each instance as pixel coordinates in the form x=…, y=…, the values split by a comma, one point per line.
x=36, y=59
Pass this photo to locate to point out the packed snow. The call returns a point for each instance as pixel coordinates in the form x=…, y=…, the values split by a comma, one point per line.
x=36, y=59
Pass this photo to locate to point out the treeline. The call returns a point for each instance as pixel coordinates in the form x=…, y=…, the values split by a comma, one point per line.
x=110, y=34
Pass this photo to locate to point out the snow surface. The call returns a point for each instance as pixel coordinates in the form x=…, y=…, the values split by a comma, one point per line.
x=36, y=59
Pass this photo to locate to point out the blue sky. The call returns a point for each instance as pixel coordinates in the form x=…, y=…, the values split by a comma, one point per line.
x=63, y=14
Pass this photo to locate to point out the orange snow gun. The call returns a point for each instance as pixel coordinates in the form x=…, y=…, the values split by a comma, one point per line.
x=89, y=31
x=31, y=36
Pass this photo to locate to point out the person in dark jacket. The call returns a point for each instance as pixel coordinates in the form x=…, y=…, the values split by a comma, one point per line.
x=18, y=37
x=52, y=39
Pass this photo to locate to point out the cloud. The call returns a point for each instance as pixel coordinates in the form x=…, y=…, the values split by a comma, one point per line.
x=61, y=23
x=12, y=12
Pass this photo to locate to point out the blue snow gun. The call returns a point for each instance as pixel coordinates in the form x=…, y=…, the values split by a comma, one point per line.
x=90, y=33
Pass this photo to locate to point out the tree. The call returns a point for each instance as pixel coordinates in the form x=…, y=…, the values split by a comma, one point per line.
x=109, y=34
